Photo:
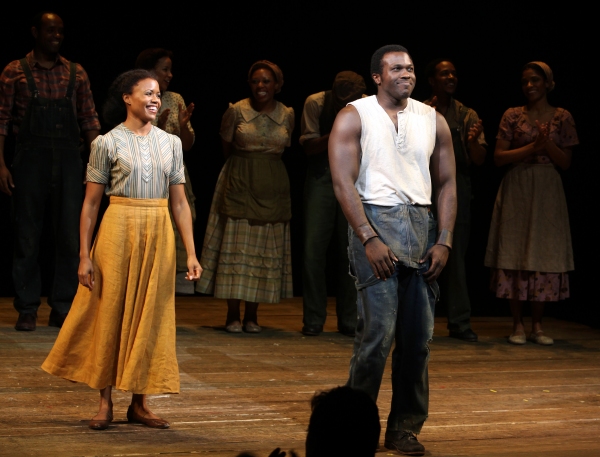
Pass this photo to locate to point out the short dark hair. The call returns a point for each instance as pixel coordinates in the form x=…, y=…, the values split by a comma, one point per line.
x=37, y=19
x=344, y=421
x=114, y=110
x=377, y=58
x=148, y=58
x=430, y=68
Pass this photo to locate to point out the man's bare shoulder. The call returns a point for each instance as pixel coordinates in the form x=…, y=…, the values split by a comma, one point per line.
x=348, y=119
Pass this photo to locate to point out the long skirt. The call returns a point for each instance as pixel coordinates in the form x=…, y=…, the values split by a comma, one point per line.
x=529, y=246
x=244, y=259
x=122, y=333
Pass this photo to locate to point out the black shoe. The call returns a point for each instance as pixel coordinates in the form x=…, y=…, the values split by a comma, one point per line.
x=465, y=335
x=312, y=330
x=56, y=319
x=26, y=322
x=348, y=331
x=405, y=442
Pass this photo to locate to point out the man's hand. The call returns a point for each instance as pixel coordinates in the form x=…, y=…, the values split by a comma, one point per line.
x=475, y=131
x=438, y=254
x=6, y=181
x=381, y=258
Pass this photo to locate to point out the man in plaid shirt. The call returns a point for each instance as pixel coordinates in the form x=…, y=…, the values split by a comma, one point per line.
x=49, y=103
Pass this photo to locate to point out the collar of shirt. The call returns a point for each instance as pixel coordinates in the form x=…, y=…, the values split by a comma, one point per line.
x=60, y=60
x=249, y=113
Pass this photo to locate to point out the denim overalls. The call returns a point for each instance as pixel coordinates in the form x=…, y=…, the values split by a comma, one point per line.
x=47, y=172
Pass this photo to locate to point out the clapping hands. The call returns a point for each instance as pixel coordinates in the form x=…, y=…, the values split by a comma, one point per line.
x=543, y=137
x=185, y=114
x=475, y=131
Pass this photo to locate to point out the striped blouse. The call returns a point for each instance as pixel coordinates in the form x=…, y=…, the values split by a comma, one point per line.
x=136, y=166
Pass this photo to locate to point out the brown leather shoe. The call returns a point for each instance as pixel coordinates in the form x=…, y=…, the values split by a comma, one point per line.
x=26, y=322
x=152, y=423
x=56, y=319
x=101, y=424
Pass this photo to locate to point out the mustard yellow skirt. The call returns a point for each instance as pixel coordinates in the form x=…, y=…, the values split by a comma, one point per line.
x=122, y=333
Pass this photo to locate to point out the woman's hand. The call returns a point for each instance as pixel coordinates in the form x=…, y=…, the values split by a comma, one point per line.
x=194, y=269
x=539, y=145
x=162, y=119
x=185, y=114
x=85, y=273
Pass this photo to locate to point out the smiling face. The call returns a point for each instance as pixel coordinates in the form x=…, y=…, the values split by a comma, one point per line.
x=534, y=85
x=50, y=35
x=397, y=77
x=263, y=86
x=162, y=70
x=144, y=101
x=445, y=80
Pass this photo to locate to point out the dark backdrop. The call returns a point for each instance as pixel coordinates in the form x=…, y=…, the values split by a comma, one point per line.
x=311, y=43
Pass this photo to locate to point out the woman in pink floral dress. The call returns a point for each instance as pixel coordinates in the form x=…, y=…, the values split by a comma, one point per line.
x=529, y=247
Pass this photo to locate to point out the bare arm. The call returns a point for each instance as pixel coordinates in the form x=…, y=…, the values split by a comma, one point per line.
x=344, y=160
x=87, y=222
x=503, y=155
x=183, y=219
x=6, y=181
x=561, y=157
x=443, y=175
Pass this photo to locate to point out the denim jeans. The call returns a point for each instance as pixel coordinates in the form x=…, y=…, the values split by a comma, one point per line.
x=325, y=225
x=46, y=177
x=400, y=310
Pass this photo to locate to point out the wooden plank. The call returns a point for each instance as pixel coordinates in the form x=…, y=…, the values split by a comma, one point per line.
x=252, y=392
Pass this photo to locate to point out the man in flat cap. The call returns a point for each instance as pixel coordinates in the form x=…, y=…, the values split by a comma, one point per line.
x=325, y=225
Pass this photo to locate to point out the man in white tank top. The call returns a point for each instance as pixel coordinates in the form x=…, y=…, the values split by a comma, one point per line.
x=389, y=155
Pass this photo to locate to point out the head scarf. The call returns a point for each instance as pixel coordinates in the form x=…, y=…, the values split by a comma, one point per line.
x=347, y=87
x=271, y=66
x=547, y=71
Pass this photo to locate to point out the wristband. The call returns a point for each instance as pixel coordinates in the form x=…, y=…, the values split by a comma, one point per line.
x=445, y=238
x=365, y=232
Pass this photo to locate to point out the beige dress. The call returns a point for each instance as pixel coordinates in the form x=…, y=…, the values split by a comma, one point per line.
x=529, y=246
x=122, y=333
x=246, y=252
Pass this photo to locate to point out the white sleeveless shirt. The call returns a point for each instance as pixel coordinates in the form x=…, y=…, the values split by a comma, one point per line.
x=394, y=166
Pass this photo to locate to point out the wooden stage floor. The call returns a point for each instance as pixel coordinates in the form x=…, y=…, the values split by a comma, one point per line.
x=252, y=392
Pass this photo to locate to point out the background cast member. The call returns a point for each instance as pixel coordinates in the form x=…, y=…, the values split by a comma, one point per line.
x=49, y=101
x=529, y=247
x=246, y=253
x=121, y=329
x=173, y=117
x=389, y=154
x=324, y=220
x=469, y=146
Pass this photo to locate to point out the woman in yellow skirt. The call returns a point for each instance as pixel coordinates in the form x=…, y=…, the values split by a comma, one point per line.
x=121, y=328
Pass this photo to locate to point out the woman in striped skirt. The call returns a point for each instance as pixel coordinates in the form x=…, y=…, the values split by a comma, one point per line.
x=121, y=328
x=246, y=253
